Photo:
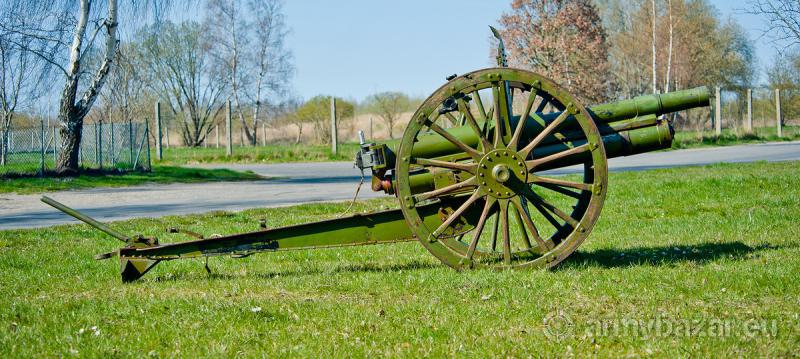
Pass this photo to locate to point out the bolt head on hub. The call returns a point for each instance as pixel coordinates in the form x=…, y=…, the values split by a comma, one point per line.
x=501, y=173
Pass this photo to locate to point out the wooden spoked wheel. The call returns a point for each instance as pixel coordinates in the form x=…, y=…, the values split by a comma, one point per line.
x=496, y=207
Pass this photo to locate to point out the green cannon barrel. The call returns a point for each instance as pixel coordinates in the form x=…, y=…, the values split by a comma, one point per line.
x=651, y=104
x=433, y=145
x=623, y=138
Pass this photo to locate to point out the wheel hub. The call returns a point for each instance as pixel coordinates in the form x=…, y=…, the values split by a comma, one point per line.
x=501, y=173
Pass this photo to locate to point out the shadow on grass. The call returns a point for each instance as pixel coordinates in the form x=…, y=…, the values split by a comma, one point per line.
x=659, y=256
x=605, y=258
x=349, y=268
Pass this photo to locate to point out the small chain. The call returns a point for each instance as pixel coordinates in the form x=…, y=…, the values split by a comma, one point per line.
x=358, y=189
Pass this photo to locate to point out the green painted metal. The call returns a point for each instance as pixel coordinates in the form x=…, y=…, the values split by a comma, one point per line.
x=622, y=138
x=449, y=181
x=620, y=112
x=86, y=219
x=503, y=174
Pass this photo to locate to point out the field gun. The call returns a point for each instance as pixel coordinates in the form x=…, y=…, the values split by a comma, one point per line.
x=470, y=175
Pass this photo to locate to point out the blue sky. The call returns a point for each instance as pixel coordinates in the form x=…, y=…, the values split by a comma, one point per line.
x=355, y=48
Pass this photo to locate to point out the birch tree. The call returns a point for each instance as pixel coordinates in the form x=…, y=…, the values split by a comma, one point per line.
x=23, y=75
x=669, y=48
x=653, y=32
x=247, y=39
x=74, y=107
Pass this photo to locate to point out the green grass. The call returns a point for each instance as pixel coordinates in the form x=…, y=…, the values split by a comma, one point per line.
x=694, y=248
x=159, y=174
x=729, y=137
x=258, y=154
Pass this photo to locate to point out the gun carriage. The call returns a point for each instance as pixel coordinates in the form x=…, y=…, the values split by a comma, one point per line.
x=472, y=175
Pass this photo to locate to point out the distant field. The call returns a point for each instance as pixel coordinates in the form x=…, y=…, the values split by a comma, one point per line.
x=685, y=262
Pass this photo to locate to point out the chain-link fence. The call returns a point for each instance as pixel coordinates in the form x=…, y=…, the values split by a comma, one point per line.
x=761, y=109
x=29, y=150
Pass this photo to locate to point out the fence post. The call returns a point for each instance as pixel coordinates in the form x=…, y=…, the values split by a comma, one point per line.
x=159, y=155
x=130, y=139
x=229, y=145
x=55, y=145
x=334, y=133
x=718, y=113
x=111, y=146
x=166, y=136
x=216, y=132
x=749, y=124
x=96, y=154
x=778, y=114
x=41, y=146
x=147, y=139
x=100, y=143
x=263, y=133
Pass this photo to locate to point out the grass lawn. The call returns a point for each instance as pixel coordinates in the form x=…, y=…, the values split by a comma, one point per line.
x=258, y=154
x=729, y=137
x=159, y=174
x=699, y=261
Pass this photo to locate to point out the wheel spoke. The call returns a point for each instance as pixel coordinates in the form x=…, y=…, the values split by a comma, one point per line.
x=502, y=126
x=556, y=156
x=479, y=227
x=464, y=109
x=528, y=221
x=522, y=120
x=549, y=217
x=471, y=182
x=466, y=167
x=505, y=231
x=482, y=110
x=461, y=145
x=486, y=124
x=559, y=182
x=452, y=118
x=559, y=189
x=545, y=132
x=540, y=107
x=495, y=229
x=518, y=219
x=533, y=197
x=457, y=213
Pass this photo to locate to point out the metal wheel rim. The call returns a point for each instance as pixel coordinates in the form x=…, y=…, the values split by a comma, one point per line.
x=457, y=254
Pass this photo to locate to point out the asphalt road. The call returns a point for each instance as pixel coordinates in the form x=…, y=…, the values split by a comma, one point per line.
x=303, y=183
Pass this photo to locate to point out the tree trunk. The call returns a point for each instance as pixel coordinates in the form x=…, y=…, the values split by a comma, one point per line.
x=256, y=109
x=655, y=79
x=4, y=141
x=669, y=50
x=70, y=113
x=7, y=118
